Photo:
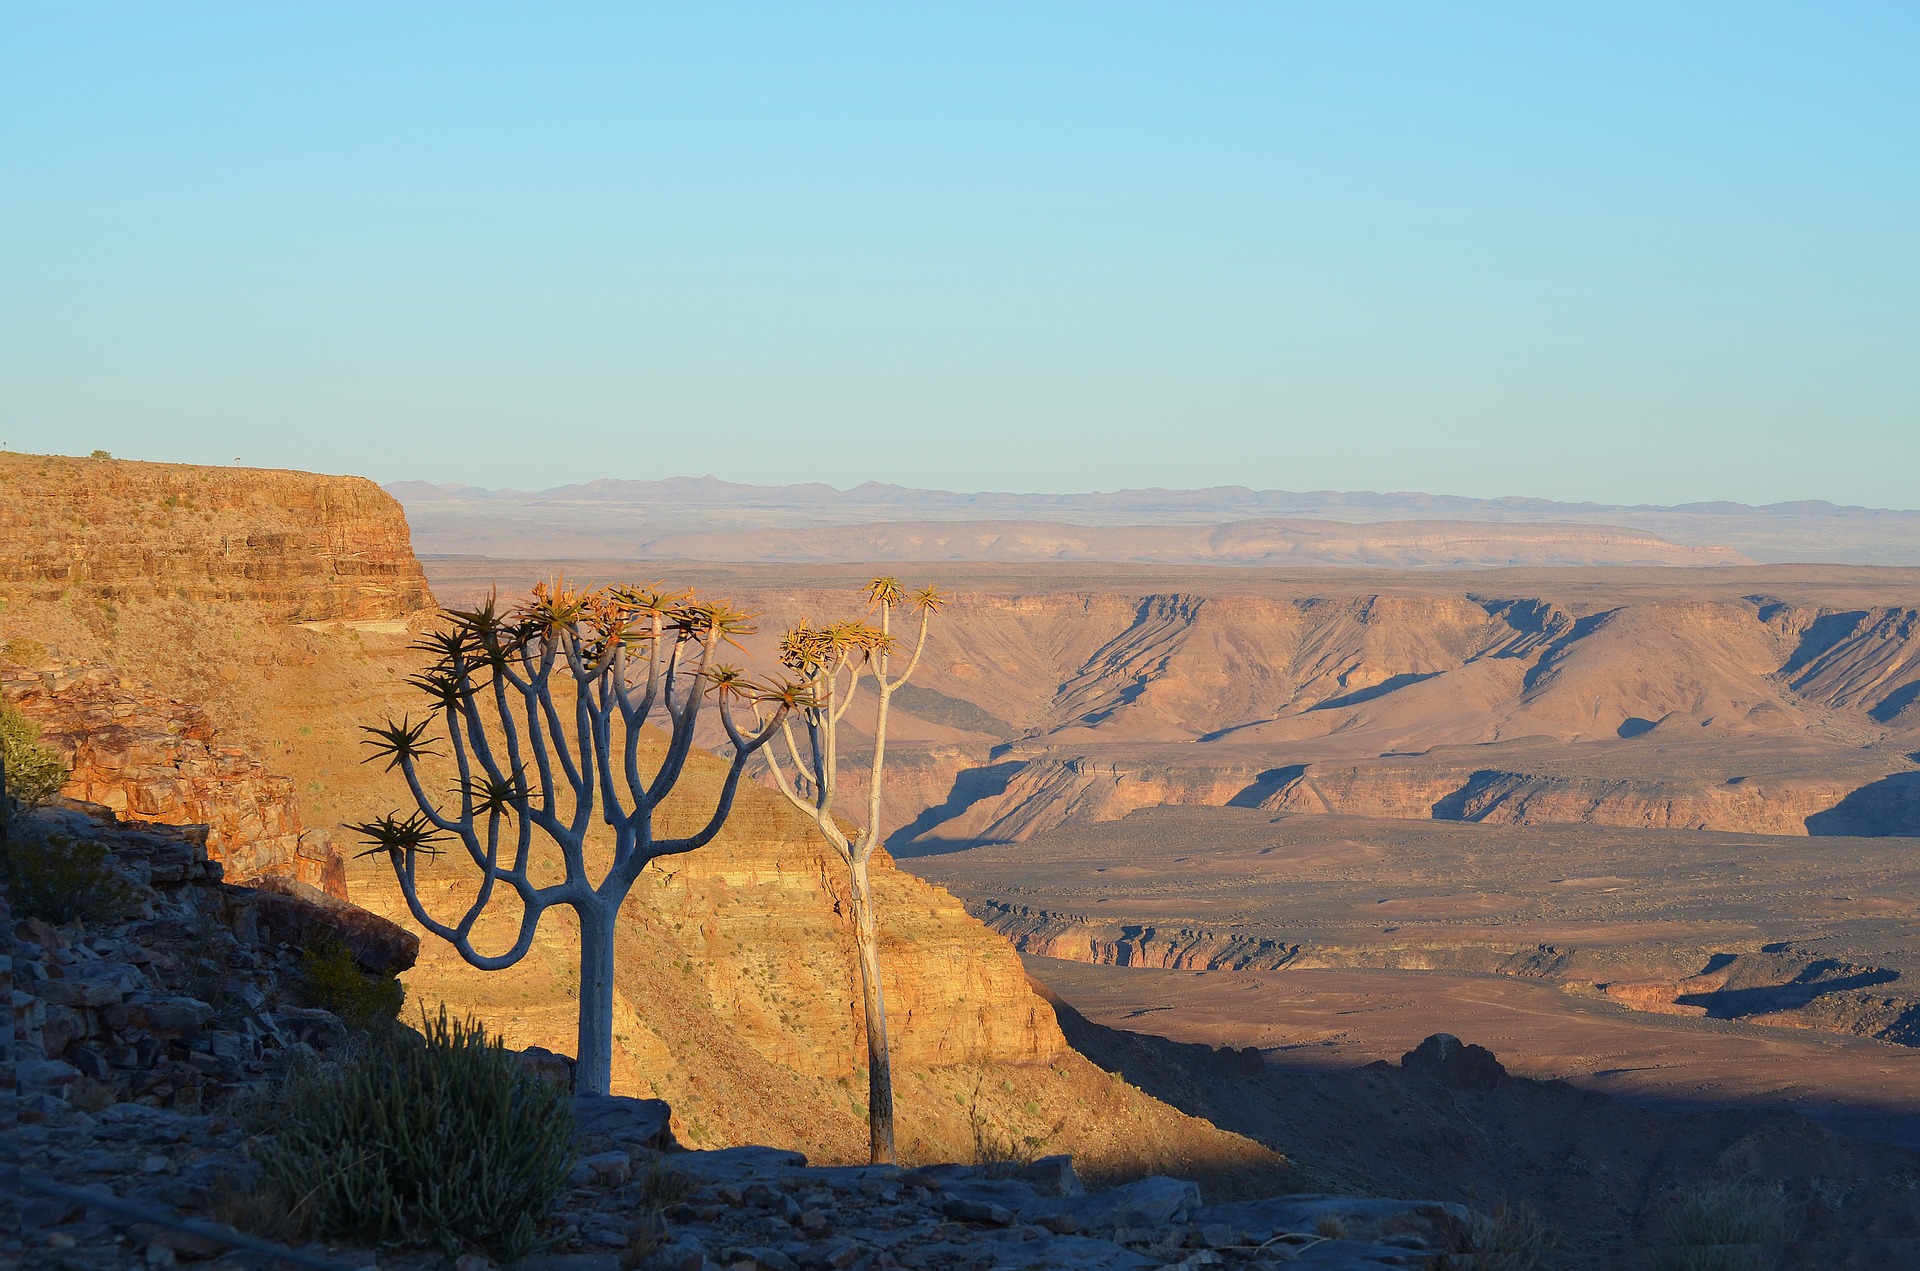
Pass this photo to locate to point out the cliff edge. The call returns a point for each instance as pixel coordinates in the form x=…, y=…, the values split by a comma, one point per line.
x=302, y=546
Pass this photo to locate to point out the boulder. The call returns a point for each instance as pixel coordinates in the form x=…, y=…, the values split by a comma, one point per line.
x=626, y=1121
x=291, y=911
x=1151, y=1202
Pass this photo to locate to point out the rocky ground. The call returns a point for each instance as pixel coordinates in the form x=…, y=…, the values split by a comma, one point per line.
x=144, y=1042
x=637, y=1202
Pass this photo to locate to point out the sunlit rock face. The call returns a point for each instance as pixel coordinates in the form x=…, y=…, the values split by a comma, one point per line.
x=301, y=546
x=153, y=759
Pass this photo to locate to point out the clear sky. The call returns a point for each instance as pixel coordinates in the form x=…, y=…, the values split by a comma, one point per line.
x=1626, y=252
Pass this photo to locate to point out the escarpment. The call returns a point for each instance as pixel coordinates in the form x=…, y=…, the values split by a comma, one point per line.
x=1667, y=703
x=1778, y=984
x=298, y=546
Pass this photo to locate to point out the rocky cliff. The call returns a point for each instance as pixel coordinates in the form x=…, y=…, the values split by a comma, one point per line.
x=1660, y=702
x=737, y=1001
x=298, y=546
x=156, y=760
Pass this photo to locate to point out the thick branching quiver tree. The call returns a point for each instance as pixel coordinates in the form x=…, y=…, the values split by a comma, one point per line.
x=542, y=709
x=829, y=663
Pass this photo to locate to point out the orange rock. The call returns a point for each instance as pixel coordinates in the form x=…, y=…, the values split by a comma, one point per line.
x=150, y=758
x=302, y=547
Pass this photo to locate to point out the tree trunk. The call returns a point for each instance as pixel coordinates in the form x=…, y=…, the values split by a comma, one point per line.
x=879, y=1064
x=593, y=1070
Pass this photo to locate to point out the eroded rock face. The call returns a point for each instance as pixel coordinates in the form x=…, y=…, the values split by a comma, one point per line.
x=301, y=546
x=769, y=906
x=150, y=758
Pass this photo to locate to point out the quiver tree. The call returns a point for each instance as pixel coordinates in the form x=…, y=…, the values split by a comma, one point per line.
x=542, y=709
x=828, y=664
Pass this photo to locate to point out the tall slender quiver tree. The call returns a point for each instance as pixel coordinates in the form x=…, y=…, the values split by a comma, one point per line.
x=829, y=663
x=543, y=708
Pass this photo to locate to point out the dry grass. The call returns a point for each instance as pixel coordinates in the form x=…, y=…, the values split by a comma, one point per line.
x=1505, y=1238
x=1330, y=1226
x=1730, y=1226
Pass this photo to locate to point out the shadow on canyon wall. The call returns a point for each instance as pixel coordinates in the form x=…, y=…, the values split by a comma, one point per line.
x=1887, y=807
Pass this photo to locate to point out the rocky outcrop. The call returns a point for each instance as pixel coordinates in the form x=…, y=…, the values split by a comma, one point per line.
x=295, y=545
x=183, y=994
x=1010, y=796
x=156, y=760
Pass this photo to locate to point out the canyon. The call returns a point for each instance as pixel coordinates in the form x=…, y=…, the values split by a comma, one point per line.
x=1774, y=700
x=1683, y=794
x=1643, y=828
x=237, y=707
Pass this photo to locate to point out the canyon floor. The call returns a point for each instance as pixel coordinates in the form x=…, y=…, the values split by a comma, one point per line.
x=1572, y=952
x=1650, y=830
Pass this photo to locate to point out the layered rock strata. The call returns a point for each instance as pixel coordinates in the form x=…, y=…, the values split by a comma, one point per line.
x=299, y=546
x=1777, y=984
x=156, y=760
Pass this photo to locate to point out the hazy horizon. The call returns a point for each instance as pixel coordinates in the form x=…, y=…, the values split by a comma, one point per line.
x=1632, y=256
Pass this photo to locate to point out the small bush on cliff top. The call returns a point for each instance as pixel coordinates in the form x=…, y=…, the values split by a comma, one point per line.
x=444, y=1139
x=1507, y=1238
x=59, y=880
x=34, y=772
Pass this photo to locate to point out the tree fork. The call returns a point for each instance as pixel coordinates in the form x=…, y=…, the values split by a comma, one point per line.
x=529, y=759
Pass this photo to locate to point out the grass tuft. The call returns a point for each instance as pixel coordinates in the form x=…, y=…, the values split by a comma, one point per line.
x=59, y=879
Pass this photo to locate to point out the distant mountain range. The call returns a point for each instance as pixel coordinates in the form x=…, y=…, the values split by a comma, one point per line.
x=704, y=518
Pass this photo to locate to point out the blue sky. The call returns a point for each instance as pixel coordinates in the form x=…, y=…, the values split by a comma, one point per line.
x=1620, y=252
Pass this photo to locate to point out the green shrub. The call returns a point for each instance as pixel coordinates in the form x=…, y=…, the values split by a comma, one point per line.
x=1722, y=1227
x=443, y=1139
x=333, y=980
x=60, y=880
x=34, y=772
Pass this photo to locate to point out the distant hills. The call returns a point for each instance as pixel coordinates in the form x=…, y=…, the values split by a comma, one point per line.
x=704, y=518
